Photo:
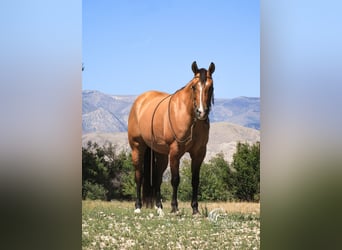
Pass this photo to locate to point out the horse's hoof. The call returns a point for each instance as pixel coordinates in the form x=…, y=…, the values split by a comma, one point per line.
x=195, y=211
x=160, y=212
x=137, y=211
x=196, y=215
x=175, y=212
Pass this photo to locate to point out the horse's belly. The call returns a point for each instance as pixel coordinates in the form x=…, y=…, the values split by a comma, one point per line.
x=158, y=146
x=161, y=148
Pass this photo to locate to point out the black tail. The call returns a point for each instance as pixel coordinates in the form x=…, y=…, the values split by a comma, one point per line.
x=149, y=186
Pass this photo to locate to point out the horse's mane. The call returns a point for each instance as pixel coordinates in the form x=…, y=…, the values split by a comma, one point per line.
x=179, y=90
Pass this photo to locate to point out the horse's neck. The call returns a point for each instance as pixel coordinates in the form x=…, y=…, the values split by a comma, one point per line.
x=183, y=105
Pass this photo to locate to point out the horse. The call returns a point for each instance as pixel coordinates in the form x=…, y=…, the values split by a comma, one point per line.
x=163, y=127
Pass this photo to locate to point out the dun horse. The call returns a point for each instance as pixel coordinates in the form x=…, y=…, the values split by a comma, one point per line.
x=163, y=127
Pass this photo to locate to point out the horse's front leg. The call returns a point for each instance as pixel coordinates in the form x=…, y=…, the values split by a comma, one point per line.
x=175, y=179
x=196, y=161
x=195, y=183
x=159, y=204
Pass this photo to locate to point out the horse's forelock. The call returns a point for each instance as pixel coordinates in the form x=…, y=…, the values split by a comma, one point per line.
x=203, y=75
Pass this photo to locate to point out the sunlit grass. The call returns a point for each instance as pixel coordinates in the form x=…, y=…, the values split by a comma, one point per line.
x=113, y=225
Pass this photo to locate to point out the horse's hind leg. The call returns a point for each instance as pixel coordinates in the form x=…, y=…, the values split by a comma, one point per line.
x=137, y=162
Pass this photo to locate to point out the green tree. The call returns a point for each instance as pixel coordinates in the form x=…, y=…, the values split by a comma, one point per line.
x=127, y=180
x=89, y=171
x=107, y=174
x=246, y=163
x=94, y=191
x=104, y=169
x=214, y=180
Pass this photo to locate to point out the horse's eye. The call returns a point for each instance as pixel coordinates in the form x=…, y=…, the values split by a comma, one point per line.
x=193, y=87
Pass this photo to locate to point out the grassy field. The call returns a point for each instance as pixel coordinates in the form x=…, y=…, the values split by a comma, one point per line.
x=113, y=225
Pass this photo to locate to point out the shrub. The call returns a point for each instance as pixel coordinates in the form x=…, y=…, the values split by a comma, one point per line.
x=93, y=191
x=166, y=191
x=246, y=162
x=105, y=168
x=213, y=180
x=128, y=185
x=108, y=175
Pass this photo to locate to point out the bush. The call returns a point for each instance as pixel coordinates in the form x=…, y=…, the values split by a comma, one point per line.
x=93, y=191
x=128, y=185
x=108, y=175
x=214, y=179
x=166, y=191
x=246, y=162
x=105, y=168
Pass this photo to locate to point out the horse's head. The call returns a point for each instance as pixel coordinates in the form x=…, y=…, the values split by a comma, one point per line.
x=203, y=90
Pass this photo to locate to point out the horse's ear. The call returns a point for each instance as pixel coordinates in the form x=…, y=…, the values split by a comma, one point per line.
x=211, y=68
x=194, y=67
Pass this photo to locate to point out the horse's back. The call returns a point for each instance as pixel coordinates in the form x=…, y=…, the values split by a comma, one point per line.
x=144, y=104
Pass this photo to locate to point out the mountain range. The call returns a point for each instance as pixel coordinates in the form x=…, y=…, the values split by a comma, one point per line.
x=109, y=113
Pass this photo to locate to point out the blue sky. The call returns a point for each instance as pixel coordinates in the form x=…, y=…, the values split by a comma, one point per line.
x=129, y=47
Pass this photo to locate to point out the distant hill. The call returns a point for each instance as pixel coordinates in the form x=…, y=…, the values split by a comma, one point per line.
x=104, y=113
x=223, y=138
x=244, y=111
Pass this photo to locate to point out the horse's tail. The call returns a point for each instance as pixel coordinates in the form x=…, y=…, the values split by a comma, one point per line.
x=149, y=190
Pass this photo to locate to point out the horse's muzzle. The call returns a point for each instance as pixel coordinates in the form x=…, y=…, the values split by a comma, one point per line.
x=202, y=115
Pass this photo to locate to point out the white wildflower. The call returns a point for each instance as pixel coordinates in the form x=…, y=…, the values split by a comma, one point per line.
x=215, y=213
x=102, y=244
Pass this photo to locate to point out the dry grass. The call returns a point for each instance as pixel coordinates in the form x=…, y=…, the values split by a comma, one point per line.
x=235, y=207
x=228, y=207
